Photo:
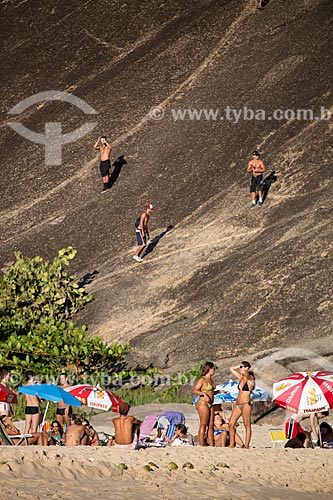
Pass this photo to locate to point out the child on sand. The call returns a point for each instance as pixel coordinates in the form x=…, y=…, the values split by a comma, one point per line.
x=182, y=437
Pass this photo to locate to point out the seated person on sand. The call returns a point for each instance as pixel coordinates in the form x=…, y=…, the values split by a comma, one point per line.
x=314, y=420
x=300, y=441
x=218, y=409
x=56, y=434
x=326, y=433
x=40, y=438
x=86, y=439
x=221, y=432
x=127, y=429
x=93, y=436
x=76, y=433
x=181, y=437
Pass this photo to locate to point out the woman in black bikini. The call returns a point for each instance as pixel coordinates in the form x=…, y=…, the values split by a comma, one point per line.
x=243, y=404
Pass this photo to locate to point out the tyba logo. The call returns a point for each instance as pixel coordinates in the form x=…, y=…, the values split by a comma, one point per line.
x=53, y=139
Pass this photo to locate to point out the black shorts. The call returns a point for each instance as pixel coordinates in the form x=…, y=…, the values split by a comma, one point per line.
x=256, y=184
x=61, y=411
x=104, y=167
x=32, y=410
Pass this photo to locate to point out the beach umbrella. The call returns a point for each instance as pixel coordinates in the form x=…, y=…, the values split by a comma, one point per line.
x=230, y=393
x=49, y=392
x=173, y=417
x=96, y=397
x=6, y=395
x=305, y=392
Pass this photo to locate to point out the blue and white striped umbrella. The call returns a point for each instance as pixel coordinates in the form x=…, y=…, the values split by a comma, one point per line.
x=231, y=390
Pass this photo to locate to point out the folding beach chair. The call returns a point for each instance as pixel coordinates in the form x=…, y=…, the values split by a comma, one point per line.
x=146, y=429
x=277, y=436
x=7, y=440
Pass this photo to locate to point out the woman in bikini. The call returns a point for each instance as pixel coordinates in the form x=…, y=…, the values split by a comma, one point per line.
x=221, y=431
x=56, y=434
x=243, y=404
x=204, y=388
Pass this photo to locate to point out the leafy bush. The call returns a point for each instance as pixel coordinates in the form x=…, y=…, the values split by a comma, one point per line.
x=33, y=290
x=37, y=302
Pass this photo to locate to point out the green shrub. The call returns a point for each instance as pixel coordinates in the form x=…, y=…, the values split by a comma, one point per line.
x=37, y=302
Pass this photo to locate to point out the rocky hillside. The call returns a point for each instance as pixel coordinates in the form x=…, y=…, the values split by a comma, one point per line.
x=219, y=279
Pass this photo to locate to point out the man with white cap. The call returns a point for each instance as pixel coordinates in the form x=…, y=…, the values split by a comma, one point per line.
x=142, y=232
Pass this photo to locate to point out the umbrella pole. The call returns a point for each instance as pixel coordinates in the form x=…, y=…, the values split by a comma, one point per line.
x=44, y=416
x=319, y=433
x=91, y=410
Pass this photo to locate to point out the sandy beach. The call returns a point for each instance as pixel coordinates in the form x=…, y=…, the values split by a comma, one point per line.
x=261, y=472
x=217, y=119
x=86, y=473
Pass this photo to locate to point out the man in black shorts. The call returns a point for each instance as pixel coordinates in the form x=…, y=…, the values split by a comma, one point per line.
x=32, y=409
x=256, y=167
x=104, y=148
x=63, y=410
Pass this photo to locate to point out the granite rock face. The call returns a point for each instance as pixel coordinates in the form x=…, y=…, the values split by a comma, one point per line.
x=219, y=280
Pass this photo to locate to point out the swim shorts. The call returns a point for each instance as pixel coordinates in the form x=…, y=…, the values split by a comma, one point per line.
x=141, y=240
x=61, y=411
x=256, y=184
x=32, y=410
x=292, y=428
x=104, y=167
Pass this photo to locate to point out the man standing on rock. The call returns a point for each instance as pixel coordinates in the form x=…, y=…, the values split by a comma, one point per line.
x=142, y=232
x=256, y=167
x=104, y=148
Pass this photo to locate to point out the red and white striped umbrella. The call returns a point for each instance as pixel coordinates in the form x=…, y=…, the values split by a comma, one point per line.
x=95, y=397
x=6, y=395
x=306, y=392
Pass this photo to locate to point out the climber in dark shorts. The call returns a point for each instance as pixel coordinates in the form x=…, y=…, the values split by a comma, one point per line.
x=256, y=167
x=104, y=148
x=142, y=232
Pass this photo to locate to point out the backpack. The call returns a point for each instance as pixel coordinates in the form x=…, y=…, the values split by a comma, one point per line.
x=137, y=222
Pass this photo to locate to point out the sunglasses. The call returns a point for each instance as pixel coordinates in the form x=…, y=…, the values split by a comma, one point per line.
x=242, y=366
